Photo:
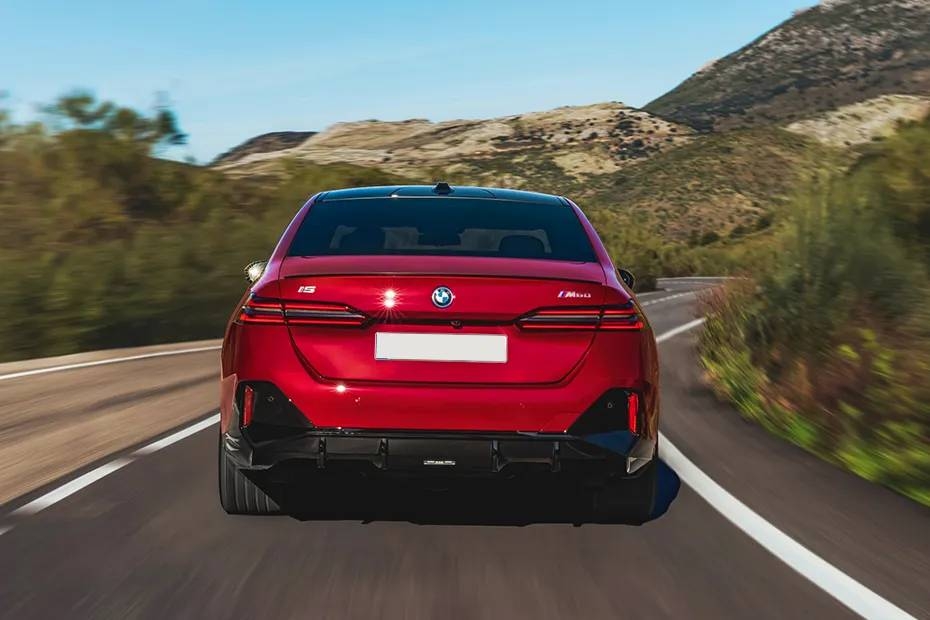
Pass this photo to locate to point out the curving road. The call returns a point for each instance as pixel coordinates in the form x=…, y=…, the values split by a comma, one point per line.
x=758, y=528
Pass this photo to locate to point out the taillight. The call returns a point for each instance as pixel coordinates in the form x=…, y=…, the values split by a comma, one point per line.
x=621, y=318
x=257, y=310
x=561, y=319
x=613, y=318
x=273, y=311
x=248, y=405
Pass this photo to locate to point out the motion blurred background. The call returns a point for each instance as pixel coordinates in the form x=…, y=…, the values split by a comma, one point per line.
x=148, y=150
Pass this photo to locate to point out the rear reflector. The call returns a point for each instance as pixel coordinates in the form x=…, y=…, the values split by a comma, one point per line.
x=248, y=405
x=276, y=312
x=613, y=318
x=632, y=412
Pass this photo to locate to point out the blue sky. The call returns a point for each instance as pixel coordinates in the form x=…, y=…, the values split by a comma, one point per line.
x=236, y=69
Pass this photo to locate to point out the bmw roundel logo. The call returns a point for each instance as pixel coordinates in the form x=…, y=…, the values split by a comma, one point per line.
x=442, y=297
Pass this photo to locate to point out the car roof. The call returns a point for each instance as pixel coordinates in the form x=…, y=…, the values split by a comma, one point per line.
x=438, y=191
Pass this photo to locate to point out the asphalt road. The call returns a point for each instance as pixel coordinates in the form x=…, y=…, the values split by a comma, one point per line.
x=150, y=540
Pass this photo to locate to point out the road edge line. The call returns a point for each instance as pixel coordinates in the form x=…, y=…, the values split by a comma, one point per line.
x=71, y=487
x=652, y=302
x=680, y=329
x=177, y=436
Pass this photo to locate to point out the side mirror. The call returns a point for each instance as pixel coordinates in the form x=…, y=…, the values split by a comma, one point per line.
x=627, y=277
x=255, y=269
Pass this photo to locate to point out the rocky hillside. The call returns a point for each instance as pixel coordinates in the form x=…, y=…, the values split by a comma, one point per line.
x=834, y=54
x=265, y=143
x=572, y=142
x=863, y=122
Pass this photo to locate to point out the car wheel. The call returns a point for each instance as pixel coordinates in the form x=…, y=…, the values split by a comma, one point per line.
x=238, y=494
x=629, y=500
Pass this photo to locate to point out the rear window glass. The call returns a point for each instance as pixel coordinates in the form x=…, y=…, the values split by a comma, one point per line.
x=442, y=227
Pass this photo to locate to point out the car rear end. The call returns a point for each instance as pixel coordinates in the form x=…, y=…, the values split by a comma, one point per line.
x=469, y=332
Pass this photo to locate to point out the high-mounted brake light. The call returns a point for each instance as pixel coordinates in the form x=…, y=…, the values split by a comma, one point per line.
x=613, y=318
x=273, y=311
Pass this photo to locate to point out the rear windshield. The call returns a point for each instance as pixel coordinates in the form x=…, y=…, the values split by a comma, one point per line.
x=443, y=227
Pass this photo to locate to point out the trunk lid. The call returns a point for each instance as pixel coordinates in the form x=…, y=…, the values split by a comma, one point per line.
x=396, y=292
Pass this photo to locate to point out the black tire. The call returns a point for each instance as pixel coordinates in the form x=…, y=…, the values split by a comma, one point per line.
x=629, y=500
x=238, y=494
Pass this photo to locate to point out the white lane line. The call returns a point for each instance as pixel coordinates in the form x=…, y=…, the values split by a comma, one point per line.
x=155, y=446
x=113, y=360
x=679, y=330
x=669, y=298
x=70, y=488
x=818, y=571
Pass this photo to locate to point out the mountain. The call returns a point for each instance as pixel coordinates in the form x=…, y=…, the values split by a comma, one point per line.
x=615, y=160
x=572, y=142
x=864, y=121
x=265, y=143
x=837, y=53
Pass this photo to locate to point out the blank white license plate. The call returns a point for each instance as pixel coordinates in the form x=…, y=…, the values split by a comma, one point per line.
x=490, y=348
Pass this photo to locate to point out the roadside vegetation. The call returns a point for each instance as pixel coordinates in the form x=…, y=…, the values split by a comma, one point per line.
x=104, y=245
x=829, y=345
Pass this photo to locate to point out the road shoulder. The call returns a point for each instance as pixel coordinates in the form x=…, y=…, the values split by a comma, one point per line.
x=873, y=534
x=55, y=423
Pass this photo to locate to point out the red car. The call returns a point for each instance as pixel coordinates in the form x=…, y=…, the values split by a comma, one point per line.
x=460, y=330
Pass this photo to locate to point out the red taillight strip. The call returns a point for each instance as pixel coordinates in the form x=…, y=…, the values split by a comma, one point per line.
x=345, y=320
x=322, y=315
x=269, y=311
x=614, y=318
x=623, y=318
x=561, y=319
x=258, y=310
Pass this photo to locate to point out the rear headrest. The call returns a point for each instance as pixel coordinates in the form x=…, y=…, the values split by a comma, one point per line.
x=522, y=246
x=363, y=240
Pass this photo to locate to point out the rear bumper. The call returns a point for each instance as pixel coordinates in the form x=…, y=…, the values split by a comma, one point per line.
x=260, y=353
x=455, y=453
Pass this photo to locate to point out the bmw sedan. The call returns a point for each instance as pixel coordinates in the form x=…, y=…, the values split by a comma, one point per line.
x=422, y=330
